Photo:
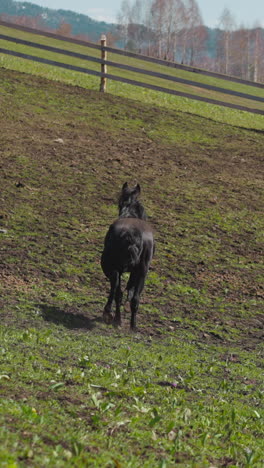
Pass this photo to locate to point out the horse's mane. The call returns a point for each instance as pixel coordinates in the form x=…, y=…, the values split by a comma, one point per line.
x=128, y=204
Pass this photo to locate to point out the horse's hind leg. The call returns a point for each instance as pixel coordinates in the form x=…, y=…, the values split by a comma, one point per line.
x=118, y=301
x=138, y=287
x=114, y=281
x=131, y=285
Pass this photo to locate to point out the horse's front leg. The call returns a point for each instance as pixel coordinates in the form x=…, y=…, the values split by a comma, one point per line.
x=107, y=314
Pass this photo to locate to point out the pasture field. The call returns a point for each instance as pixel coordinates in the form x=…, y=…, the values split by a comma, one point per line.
x=185, y=390
x=217, y=113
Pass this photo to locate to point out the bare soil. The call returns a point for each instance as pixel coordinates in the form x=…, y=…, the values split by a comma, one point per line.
x=64, y=154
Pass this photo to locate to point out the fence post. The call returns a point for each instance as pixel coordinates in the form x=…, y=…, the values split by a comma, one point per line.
x=103, y=66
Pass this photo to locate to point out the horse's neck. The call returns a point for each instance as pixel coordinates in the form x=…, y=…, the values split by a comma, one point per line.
x=133, y=211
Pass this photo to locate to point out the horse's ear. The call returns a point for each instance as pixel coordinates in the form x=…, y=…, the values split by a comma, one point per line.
x=137, y=189
x=124, y=186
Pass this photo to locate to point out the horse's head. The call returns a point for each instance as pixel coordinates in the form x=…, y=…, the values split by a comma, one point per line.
x=128, y=203
x=128, y=195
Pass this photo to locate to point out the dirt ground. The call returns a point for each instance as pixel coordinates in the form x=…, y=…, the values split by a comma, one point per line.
x=64, y=154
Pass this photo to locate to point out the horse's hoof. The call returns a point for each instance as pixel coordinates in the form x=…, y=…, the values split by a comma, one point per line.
x=107, y=317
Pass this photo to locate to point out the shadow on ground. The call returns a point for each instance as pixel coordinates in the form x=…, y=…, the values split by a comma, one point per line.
x=71, y=320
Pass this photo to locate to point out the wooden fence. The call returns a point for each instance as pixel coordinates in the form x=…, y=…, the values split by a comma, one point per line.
x=104, y=63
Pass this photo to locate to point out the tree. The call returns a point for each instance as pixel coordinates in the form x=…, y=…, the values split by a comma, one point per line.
x=167, y=21
x=6, y=6
x=258, y=47
x=64, y=29
x=174, y=30
x=228, y=23
x=123, y=19
x=241, y=53
x=194, y=33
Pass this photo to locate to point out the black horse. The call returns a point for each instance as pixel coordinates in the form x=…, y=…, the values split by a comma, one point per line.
x=128, y=247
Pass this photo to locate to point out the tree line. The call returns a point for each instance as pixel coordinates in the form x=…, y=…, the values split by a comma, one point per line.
x=63, y=22
x=174, y=30
x=168, y=29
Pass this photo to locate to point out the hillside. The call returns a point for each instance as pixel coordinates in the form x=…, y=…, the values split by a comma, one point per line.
x=33, y=15
x=186, y=388
x=46, y=18
x=215, y=88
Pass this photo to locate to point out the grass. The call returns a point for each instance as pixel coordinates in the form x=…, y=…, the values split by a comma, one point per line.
x=124, y=90
x=125, y=402
x=186, y=390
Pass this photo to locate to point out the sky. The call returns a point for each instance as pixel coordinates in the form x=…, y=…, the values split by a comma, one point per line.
x=247, y=12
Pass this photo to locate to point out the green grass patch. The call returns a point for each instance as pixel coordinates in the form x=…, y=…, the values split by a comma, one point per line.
x=186, y=390
x=121, y=89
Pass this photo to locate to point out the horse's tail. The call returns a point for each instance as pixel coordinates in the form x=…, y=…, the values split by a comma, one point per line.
x=131, y=245
x=122, y=250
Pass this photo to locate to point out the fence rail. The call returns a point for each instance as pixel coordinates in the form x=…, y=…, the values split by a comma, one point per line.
x=104, y=75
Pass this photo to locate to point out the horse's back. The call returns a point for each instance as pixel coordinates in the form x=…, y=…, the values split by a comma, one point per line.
x=136, y=228
x=126, y=224
x=126, y=242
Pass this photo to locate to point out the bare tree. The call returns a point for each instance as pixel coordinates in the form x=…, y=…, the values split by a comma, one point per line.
x=174, y=30
x=123, y=19
x=167, y=21
x=227, y=22
x=64, y=29
x=194, y=34
x=241, y=53
x=157, y=13
x=136, y=28
x=131, y=19
x=258, y=42
x=163, y=26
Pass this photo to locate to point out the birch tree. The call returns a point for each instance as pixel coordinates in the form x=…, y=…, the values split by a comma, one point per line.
x=228, y=23
x=258, y=48
x=195, y=33
x=123, y=19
